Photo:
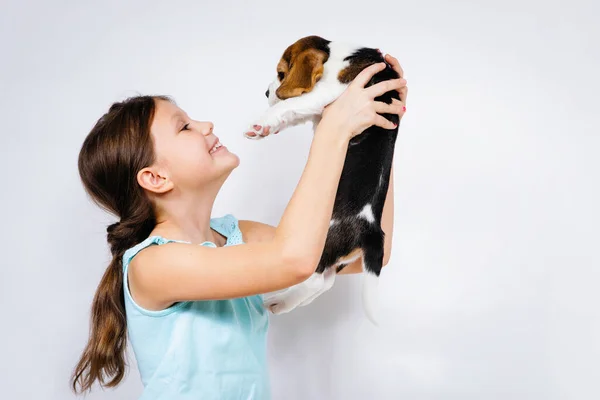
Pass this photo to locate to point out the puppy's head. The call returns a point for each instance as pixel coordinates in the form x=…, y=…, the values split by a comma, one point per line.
x=300, y=68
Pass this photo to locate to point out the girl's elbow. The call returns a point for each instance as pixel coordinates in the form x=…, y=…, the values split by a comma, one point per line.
x=300, y=266
x=300, y=261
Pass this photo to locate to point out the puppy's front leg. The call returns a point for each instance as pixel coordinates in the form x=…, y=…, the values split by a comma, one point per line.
x=296, y=110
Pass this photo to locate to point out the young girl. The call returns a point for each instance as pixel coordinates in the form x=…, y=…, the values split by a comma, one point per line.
x=194, y=313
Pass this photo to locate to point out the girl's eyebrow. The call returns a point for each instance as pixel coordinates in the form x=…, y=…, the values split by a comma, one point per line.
x=178, y=114
x=176, y=118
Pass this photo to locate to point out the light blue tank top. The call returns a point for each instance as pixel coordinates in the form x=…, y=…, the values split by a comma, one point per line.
x=209, y=350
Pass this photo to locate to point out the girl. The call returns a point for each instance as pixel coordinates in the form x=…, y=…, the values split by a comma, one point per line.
x=194, y=313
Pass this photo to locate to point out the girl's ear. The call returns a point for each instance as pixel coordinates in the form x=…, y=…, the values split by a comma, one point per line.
x=154, y=181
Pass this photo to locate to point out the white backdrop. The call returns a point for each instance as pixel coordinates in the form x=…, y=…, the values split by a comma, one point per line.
x=491, y=291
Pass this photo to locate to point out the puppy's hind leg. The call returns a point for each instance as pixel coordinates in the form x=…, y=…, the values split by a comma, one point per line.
x=328, y=280
x=295, y=295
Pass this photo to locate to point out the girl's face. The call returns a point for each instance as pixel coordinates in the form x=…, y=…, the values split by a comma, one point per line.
x=188, y=150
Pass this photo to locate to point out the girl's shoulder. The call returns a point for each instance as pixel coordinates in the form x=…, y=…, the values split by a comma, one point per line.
x=254, y=231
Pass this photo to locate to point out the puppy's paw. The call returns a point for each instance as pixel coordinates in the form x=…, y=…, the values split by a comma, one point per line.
x=278, y=304
x=257, y=132
x=280, y=308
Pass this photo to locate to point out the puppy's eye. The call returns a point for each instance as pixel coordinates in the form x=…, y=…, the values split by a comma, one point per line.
x=280, y=75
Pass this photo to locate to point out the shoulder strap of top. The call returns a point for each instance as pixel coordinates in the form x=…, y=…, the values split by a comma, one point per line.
x=130, y=253
x=227, y=226
x=127, y=257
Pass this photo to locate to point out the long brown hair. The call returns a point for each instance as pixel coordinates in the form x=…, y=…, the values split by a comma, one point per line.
x=118, y=146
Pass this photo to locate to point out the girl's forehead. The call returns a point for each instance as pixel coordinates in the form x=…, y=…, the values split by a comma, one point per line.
x=166, y=116
x=165, y=110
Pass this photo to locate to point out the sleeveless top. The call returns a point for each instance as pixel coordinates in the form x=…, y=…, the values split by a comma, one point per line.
x=205, y=350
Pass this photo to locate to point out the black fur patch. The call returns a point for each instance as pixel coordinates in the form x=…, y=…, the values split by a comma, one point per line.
x=368, y=162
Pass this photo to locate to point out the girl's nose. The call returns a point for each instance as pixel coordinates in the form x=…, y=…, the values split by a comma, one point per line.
x=205, y=128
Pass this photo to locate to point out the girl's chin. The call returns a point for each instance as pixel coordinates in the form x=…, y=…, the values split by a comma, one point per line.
x=230, y=160
x=235, y=157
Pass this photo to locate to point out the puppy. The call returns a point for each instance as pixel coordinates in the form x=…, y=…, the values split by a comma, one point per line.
x=311, y=74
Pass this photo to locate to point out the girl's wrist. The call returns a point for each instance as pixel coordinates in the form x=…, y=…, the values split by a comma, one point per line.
x=332, y=134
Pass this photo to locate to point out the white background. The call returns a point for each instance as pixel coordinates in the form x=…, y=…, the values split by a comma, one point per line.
x=492, y=288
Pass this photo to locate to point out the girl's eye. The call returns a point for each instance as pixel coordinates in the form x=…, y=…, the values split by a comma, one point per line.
x=186, y=127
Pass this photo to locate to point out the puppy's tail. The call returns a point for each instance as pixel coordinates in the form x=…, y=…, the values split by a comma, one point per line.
x=370, y=294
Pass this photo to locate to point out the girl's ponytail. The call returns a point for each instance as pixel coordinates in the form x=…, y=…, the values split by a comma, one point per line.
x=104, y=356
x=118, y=146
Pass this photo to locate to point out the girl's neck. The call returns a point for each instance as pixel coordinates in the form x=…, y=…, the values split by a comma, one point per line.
x=188, y=220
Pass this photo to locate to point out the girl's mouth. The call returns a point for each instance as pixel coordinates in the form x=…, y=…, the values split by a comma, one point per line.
x=216, y=147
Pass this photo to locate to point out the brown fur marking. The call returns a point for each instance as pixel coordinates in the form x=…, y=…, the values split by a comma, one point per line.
x=302, y=66
x=350, y=257
x=348, y=74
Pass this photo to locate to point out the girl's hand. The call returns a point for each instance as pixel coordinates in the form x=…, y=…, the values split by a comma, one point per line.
x=403, y=90
x=356, y=110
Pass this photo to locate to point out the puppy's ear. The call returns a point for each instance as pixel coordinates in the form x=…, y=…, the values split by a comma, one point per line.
x=306, y=69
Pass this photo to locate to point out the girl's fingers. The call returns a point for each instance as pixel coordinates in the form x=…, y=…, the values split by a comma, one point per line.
x=385, y=86
x=401, y=104
x=403, y=93
x=366, y=74
x=395, y=64
x=396, y=107
x=384, y=122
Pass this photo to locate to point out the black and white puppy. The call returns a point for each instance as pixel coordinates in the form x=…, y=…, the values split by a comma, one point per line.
x=311, y=74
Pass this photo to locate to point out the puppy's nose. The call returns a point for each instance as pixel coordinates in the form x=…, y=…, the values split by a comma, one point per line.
x=267, y=93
